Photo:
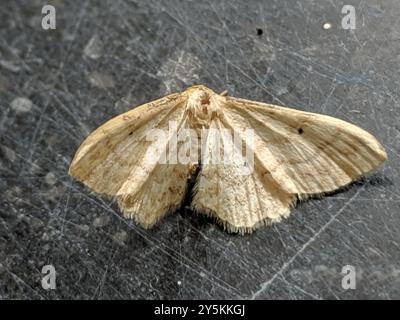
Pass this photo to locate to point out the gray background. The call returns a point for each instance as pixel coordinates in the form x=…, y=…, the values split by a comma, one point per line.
x=107, y=56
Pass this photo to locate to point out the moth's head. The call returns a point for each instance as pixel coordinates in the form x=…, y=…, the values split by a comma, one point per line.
x=202, y=104
x=199, y=95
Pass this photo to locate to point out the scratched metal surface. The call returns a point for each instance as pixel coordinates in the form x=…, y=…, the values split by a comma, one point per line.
x=107, y=56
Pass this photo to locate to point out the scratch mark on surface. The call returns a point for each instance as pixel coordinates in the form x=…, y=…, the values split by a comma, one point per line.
x=266, y=284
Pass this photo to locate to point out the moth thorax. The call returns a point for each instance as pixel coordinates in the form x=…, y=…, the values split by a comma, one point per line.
x=202, y=107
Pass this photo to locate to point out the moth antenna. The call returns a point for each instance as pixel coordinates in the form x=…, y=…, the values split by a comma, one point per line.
x=224, y=93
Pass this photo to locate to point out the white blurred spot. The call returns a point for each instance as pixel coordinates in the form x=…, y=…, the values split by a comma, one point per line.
x=101, y=80
x=50, y=178
x=327, y=26
x=21, y=105
x=93, y=48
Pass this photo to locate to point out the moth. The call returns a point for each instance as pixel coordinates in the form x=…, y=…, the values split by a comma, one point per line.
x=293, y=155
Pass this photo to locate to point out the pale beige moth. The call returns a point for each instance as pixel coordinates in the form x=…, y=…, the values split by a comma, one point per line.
x=296, y=155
